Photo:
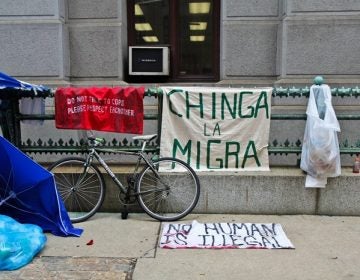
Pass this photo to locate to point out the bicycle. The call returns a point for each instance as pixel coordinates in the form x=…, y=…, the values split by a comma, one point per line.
x=167, y=189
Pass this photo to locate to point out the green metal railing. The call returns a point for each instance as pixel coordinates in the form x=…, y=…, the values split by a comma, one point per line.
x=299, y=92
x=12, y=131
x=295, y=148
x=11, y=128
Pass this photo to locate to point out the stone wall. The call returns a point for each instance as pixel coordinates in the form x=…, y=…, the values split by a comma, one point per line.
x=249, y=39
x=263, y=43
x=290, y=41
x=33, y=39
x=57, y=42
x=97, y=36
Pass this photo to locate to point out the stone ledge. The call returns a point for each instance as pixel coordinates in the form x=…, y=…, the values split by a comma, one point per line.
x=281, y=191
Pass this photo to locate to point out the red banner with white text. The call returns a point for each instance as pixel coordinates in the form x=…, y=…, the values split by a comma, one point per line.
x=104, y=109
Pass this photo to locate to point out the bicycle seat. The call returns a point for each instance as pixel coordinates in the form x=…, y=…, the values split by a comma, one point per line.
x=96, y=140
x=145, y=137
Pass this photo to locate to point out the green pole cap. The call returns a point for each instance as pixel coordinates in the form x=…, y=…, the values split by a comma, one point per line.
x=318, y=80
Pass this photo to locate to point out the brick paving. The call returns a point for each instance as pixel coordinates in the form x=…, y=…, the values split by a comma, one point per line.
x=73, y=268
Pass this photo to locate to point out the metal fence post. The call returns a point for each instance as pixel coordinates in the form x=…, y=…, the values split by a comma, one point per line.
x=12, y=130
x=10, y=124
x=4, y=112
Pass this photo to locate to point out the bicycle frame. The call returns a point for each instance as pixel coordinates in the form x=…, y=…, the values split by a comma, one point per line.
x=93, y=152
x=154, y=183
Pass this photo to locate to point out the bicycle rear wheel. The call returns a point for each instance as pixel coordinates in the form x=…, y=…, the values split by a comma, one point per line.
x=82, y=192
x=170, y=192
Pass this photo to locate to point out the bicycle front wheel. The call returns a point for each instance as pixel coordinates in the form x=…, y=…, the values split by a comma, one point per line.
x=81, y=189
x=168, y=190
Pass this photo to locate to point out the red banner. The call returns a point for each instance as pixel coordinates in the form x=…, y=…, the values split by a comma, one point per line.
x=103, y=109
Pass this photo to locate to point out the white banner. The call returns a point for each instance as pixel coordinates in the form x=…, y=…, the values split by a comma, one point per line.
x=224, y=236
x=217, y=129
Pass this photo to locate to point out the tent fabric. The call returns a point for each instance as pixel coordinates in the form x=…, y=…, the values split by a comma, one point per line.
x=10, y=87
x=7, y=81
x=28, y=193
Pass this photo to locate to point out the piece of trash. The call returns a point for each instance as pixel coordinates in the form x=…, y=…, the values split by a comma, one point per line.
x=91, y=242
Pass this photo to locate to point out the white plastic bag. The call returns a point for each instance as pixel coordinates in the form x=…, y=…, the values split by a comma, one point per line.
x=320, y=156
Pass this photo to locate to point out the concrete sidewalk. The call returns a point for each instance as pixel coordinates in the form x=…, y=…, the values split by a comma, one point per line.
x=325, y=248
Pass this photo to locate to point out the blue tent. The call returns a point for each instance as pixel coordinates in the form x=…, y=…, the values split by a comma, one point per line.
x=13, y=89
x=28, y=193
x=10, y=87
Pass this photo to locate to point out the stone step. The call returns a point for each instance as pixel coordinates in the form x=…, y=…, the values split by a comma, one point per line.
x=281, y=191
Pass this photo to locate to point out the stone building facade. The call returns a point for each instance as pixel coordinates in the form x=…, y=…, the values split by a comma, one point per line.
x=262, y=43
x=59, y=42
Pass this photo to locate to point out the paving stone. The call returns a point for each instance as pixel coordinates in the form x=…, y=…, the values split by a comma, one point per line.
x=74, y=268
